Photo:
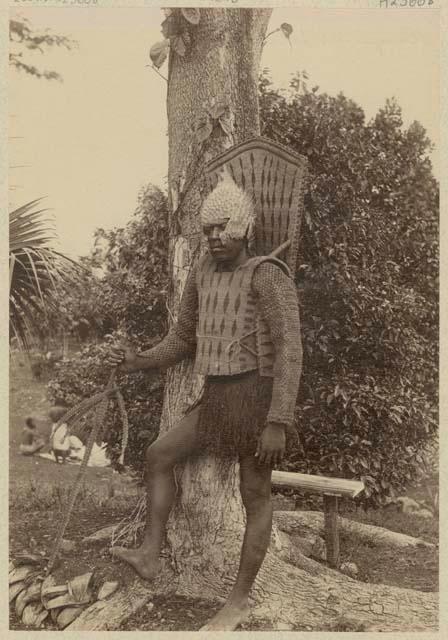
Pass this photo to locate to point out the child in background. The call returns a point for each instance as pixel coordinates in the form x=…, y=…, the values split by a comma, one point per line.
x=77, y=449
x=60, y=436
x=32, y=442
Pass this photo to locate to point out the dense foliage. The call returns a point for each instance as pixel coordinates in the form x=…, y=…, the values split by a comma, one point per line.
x=368, y=285
x=36, y=270
x=84, y=374
x=367, y=282
x=124, y=292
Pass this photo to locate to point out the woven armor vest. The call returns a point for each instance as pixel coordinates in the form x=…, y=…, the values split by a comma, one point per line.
x=232, y=337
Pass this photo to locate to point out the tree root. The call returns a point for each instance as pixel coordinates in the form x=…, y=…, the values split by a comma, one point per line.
x=291, y=592
x=308, y=522
x=105, y=615
x=286, y=594
x=296, y=598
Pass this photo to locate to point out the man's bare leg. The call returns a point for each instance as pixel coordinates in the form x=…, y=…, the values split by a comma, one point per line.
x=178, y=443
x=256, y=495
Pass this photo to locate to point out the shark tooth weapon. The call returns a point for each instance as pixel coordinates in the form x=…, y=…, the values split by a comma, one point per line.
x=73, y=415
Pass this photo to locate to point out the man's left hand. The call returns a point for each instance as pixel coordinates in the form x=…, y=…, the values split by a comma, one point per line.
x=271, y=444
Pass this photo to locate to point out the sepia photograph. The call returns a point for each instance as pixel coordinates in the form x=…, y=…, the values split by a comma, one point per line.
x=223, y=316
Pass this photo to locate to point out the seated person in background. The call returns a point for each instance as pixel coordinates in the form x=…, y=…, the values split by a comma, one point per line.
x=59, y=438
x=32, y=442
x=77, y=449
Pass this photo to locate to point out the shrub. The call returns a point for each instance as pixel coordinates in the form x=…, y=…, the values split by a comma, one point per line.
x=367, y=282
x=84, y=375
x=127, y=294
x=368, y=286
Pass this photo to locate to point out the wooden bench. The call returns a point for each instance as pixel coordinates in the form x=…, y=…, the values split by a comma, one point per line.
x=332, y=489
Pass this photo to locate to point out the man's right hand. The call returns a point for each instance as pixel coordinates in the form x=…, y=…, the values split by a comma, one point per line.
x=123, y=357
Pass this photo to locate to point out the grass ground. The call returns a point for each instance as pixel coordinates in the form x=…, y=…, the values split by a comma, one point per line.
x=39, y=489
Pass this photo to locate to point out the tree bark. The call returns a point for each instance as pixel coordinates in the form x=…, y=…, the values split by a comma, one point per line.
x=205, y=530
x=206, y=527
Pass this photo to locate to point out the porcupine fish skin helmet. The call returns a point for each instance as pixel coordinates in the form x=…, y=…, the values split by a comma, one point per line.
x=227, y=200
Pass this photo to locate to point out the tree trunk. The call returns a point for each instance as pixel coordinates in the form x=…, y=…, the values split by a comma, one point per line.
x=205, y=530
x=206, y=527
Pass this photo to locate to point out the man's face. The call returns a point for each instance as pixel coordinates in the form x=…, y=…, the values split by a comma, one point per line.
x=221, y=252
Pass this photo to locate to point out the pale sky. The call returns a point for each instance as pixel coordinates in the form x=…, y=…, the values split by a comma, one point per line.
x=94, y=140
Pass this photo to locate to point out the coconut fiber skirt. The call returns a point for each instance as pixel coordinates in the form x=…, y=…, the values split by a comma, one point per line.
x=233, y=412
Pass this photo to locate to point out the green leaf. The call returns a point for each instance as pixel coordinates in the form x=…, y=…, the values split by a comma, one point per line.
x=286, y=29
x=364, y=463
x=35, y=269
x=159, y=52
x=170, y=27
x=193, y=16
x=203, y=128
x=217, y=110
x=226, y=125
x=178, y=45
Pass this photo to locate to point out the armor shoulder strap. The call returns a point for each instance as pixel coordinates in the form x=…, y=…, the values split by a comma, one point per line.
x=268, y=259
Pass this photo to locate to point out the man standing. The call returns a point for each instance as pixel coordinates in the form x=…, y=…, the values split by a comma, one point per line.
x=239, y=320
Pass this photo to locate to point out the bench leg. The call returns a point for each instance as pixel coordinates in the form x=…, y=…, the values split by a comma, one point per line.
x=331, y=530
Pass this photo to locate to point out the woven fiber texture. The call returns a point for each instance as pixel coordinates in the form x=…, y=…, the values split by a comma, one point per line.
x=227, y=200
x=233, y=414
x=180, y=342
x=226, y=341
x=279, y=308
x=276, y=299
x=275, y=179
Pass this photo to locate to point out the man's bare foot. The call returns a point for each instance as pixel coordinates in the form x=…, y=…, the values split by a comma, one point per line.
x=140, y=559
x=228, y=618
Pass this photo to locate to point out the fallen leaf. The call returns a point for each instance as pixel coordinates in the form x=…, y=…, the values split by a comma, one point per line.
x=49, y=593
x=34, y=614
x=107, y=589
x=15, y=589
x=33, y=592
x=79, y=588
x=21, y=573
x=68, y=615
x=20, y=603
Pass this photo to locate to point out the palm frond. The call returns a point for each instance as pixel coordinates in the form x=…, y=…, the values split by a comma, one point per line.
x=35, y=270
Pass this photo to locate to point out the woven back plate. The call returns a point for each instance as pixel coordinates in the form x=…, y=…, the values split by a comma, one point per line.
x=276, y=180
